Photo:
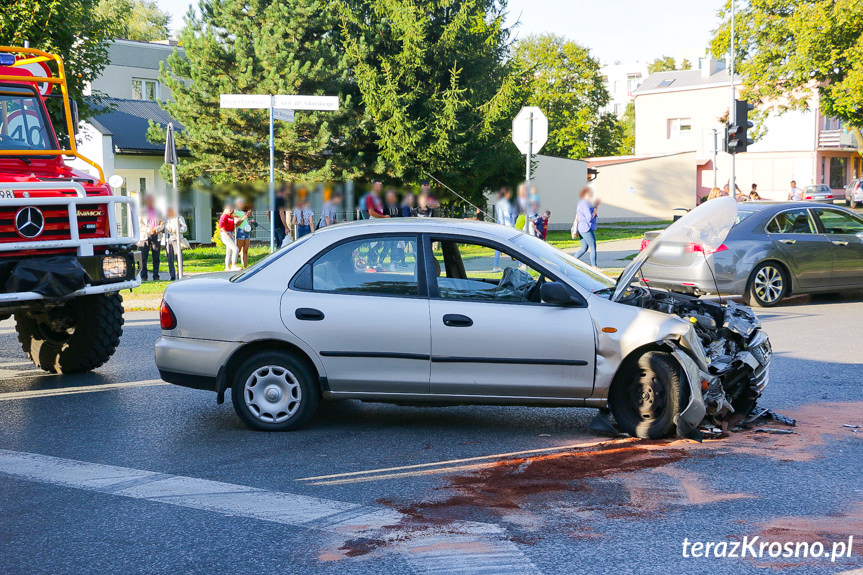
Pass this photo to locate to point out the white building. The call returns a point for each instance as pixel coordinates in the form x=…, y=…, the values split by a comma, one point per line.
x=116, y=138
x=622, y=80
x=678, y=111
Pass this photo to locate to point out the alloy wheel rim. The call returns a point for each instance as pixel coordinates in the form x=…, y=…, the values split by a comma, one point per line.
x=272, y=393
x=768, y=284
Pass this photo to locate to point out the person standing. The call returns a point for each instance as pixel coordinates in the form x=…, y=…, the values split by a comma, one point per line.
x=408, y=209
x=585, y=224
x=424, y=208
x=329, y=210
x=152, y=224
x=392, y=208
x=227, y=226
x=795, y=194
x=280, y=226
x=372, y=206
x=503, y=215
x=304, y=218
x=244, y=229
x=540, y=225
x=171, y=239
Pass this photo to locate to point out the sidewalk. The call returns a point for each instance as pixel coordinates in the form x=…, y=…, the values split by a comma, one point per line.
x=611, y=254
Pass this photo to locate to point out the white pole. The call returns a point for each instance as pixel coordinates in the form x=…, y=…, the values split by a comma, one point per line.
x=177, y=239
x=732, y=111
x=715, y=150
x=527, y=170
x=272, y=190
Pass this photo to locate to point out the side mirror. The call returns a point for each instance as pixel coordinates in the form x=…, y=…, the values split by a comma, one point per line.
x=555, y=293
x=75, y=119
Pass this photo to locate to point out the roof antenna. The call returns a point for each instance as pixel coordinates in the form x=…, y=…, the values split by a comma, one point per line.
x=459, y=195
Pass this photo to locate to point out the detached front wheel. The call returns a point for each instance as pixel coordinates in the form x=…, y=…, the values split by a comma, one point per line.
x=77, y=337
x=647, y=397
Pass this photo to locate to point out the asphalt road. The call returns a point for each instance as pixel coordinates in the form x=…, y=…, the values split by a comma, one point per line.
x=113, y=473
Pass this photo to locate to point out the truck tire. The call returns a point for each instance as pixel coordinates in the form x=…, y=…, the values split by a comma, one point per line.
x=78, y=337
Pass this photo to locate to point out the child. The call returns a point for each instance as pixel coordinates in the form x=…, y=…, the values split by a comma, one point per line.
x=540, y=225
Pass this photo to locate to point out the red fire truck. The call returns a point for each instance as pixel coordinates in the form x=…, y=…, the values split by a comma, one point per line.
x=67, y=242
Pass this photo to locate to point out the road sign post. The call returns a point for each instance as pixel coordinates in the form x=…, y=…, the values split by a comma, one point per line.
x=529, y=134
x=279, y=107
x=171, y=158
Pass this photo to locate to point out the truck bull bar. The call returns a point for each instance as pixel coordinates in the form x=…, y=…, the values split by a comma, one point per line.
x=84, y=246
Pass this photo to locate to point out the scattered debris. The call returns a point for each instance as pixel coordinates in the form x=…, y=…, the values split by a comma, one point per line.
x=852, y=426
x=545, y=435
x=774, y=431
x=764, y=413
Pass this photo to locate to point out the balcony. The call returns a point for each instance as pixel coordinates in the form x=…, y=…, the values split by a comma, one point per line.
x=836, y=140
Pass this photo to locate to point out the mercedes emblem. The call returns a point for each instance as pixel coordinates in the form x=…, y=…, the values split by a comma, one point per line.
x=29, y=221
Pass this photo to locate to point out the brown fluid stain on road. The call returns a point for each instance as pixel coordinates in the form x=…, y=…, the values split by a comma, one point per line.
x=636, y=481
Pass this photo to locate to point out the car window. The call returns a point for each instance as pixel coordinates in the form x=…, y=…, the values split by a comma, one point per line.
x=791, y=222
x=369, y=266
x=472, y=271
x=836, y=222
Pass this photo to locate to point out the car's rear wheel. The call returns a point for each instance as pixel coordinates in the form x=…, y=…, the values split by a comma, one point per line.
x=853, y=204
x=647, y=397
x=274, y=391
x=768, y=285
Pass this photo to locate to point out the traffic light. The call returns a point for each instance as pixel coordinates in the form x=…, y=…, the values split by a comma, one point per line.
x=737, y=139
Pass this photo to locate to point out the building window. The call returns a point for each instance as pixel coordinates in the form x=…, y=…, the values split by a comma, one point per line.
x=618, y=109
x=679, y=128
x=145, y=89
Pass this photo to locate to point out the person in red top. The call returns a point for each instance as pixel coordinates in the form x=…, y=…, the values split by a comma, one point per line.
x=227, y=225
x=372, y=203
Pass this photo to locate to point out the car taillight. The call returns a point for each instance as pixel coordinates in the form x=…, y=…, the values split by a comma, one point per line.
x=829, y=196
x=809, y=198
x=704, y=248
x=166, y=317
x=644, y=243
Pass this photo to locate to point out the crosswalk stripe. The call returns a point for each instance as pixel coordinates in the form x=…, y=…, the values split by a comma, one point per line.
x=459, y=547
x=31, y=393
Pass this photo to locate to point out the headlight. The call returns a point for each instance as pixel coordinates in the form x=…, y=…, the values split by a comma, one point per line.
x=114, y=267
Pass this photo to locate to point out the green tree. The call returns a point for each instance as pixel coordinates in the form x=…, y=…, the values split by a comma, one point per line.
x=565, y=81
x=663, y=64
x=627, y=123
x=72, y=29
x=685, y=64
x=437, y=90
x=262, y=47
x=788, y=50
x=135, y=19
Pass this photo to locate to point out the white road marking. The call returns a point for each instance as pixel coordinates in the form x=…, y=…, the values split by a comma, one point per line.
x=459, y=547
x=82, y=389
x=447, y=465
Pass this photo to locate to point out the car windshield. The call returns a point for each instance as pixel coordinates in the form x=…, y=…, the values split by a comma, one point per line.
x=267, y=260
x=22, y=124
x=564, y=263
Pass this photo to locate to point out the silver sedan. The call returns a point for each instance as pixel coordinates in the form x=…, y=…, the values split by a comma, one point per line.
x=410, y=311
x=818, y=193
x=774, y=249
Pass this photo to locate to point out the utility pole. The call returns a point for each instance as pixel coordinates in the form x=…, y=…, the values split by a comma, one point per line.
x=272, y=187
x=732, y=109
x=527, y=169
x=715, y=150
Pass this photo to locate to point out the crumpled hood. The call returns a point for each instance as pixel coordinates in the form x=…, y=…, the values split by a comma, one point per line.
x=707, y=225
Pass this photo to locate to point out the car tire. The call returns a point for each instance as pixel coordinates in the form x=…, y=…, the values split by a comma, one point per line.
x=853, y=205
x=647, y=398
x=77, y=337
x=768, y=285
x=275, y=391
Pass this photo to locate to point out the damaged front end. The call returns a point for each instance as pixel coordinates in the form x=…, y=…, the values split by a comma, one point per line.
x=725, y=355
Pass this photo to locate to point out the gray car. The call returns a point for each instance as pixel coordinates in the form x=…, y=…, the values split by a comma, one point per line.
x=410, y=310
x=854, y=193
x=774, y=249
x=819, y=193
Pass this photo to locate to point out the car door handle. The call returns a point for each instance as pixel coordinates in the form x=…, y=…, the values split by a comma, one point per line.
x=839, y=243
x=457, y=320
x=309, y=314
x=788, y=241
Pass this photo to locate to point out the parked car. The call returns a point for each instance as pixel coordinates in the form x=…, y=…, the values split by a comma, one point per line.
x=818, y=193
x=854, y=193
x=774, y=249
x=410, y=311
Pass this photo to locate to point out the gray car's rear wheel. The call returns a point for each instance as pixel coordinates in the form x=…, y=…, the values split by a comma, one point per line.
x=648, y=396
x=274, y=391
x=768, y=285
